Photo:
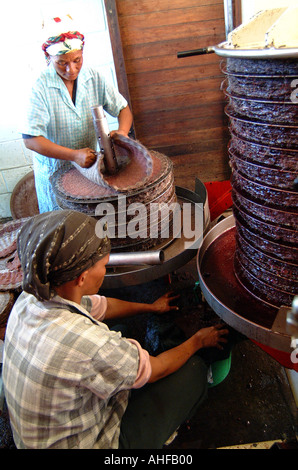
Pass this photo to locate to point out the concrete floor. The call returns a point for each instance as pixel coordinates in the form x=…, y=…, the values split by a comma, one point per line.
x=252, y=405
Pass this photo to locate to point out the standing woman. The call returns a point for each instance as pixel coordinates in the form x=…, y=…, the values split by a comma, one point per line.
x=59, y=125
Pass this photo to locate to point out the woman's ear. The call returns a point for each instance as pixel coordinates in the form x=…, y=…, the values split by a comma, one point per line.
x=82, y=278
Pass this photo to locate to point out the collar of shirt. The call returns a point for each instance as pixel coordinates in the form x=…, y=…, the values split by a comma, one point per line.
x=58, y=301
x=54, y=81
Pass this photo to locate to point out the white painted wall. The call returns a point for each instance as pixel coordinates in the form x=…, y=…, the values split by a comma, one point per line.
x=21, y=62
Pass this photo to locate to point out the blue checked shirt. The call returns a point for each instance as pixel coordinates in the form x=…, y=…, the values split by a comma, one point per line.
x=66, y=375
x=53, y=115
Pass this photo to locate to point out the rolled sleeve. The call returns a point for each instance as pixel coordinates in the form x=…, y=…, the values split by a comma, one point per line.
x=114, y=102
x=145, y=369
x=99, y=305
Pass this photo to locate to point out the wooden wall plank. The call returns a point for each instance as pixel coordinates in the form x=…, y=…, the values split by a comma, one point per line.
x=173, y=75
x=188, y=139
x=201, y=16
x=170, y=47
x=140, y=7
x=159, y=90
x=164, y=32
x=180, y=110
x=178, y=104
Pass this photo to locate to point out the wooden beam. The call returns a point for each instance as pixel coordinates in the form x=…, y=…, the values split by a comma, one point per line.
x=116, y=43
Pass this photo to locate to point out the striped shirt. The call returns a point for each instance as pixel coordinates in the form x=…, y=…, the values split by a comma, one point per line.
x=66, y=375
x=53, y=115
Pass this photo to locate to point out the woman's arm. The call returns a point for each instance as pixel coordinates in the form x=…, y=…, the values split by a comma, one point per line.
x=169, y=361
x=117, y=308
x=84, y=157
x=125, y=121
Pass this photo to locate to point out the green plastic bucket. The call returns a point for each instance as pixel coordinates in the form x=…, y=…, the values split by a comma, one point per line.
x=220, y=370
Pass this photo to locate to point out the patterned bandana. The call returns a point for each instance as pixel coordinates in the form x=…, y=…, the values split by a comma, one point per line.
x=63, y=42
x=56, y=247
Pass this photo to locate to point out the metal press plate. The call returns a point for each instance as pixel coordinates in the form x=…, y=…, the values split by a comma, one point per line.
x=229, y=299
x=224, y=50
x=175, y=254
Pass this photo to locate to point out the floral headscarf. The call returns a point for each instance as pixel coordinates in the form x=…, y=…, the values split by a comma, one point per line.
x=63, y=42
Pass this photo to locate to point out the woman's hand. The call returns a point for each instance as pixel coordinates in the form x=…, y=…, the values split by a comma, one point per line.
x=121, y=308
x=85, y=157
x=162, y=305
x=171, y=360
x=115, y=132
x=212, y=336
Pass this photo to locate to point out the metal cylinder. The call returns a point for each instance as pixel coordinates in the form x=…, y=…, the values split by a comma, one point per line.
x=228, y=10
x=103, y=135
x=136, y=258
x=292, y=317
